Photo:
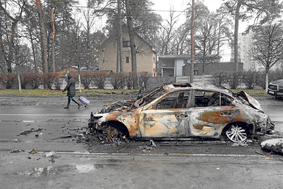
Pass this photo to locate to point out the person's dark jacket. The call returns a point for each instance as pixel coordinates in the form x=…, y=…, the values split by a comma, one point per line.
x=70, y=86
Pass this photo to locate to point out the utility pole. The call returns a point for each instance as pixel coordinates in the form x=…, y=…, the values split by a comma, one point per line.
x=192, y=43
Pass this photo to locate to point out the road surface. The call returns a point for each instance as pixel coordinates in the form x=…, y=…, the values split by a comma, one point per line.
x=42, y=147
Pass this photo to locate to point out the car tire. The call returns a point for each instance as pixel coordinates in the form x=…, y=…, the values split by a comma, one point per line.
x=115, y=132
x=237, y=133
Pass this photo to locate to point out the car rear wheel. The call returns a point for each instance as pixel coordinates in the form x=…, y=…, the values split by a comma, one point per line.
x=236, y=133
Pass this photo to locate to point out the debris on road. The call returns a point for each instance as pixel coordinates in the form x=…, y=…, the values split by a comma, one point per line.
x=30, y=131
x=152, y=143
x=33, y=151
x=273, y=145
x=52, y=156
x=17, y=151
x=103, y=138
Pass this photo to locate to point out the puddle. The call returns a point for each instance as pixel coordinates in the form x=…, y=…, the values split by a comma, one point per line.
x=45, y=171
x=85, y=168
x=51, y=170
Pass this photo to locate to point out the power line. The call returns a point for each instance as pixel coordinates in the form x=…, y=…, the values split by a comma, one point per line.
x=85, y=7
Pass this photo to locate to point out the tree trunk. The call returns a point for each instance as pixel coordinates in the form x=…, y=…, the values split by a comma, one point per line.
x=19, y=79
x=266, y=79
x=132, y=42
x=43, y=38
x=236, y=30
x=11, y=47
x=192, y=43
x=33, y=51
x=2, y=54
x=120, y=39
x=53, y=41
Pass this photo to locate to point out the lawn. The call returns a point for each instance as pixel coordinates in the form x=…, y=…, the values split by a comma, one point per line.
x=47, y=92
x=86, y=92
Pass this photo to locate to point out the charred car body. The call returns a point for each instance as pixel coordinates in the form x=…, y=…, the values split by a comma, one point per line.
x=183, y=110
x=275, y=88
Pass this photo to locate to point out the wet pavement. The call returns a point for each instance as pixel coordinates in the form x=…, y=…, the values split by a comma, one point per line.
x=49, y=127
x=43, y=146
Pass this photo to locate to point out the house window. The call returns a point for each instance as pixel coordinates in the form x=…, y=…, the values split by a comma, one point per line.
x=127, y=59
x=126, y=43
x=195, y=72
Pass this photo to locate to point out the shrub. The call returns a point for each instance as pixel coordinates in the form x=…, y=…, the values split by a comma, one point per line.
x=49, y=79
x=143, y=81
x=3, y=79
x=129, y=79
x=250, y=78
x=219, y=78
x=25, y=79
x=234, y=79
x=117, y=80
x=99, y=80
x=86, y=78
x=10, y=79
x=37, y=80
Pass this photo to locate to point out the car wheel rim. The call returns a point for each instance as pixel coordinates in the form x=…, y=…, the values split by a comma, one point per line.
x=111, y=133
x=236, y=134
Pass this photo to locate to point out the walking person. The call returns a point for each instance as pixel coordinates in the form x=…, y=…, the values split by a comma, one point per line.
x=71, y=90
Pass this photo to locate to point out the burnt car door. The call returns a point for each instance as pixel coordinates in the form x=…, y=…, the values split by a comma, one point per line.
x=167, y=116
x=211, y=112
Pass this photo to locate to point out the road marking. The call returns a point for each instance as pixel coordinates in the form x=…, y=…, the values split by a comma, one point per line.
x=86, y=153
x=48, y=115
x=28, y=121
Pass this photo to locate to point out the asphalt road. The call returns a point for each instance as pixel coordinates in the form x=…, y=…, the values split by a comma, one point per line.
x=42, y=146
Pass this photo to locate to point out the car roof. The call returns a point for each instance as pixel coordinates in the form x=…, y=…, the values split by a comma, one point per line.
x=206, y=87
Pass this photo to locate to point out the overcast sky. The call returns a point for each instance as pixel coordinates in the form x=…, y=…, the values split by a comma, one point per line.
x=163, y=6
x=181, y=4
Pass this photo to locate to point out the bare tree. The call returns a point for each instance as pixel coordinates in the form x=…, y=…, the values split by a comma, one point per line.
x=210, y=36
x=167, y=34
x=20, y=4
x=268, y=46
x=261, y=10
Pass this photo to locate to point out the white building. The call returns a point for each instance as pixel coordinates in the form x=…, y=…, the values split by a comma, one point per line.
x=245, y=45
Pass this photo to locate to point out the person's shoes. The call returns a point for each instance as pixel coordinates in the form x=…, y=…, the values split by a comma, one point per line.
x=66, y=107
x=79, y=106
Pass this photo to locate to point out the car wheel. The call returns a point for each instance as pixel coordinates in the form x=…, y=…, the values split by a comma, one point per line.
x=110, y=133
x=237, y=133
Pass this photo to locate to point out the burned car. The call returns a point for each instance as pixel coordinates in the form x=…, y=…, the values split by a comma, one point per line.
x=275, y=88
x=184, y=110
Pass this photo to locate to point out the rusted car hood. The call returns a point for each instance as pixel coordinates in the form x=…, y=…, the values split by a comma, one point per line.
x=245, y=98
x=118, y=105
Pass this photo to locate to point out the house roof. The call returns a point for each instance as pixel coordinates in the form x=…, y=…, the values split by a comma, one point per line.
x=179, y=56
x=111, y=37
